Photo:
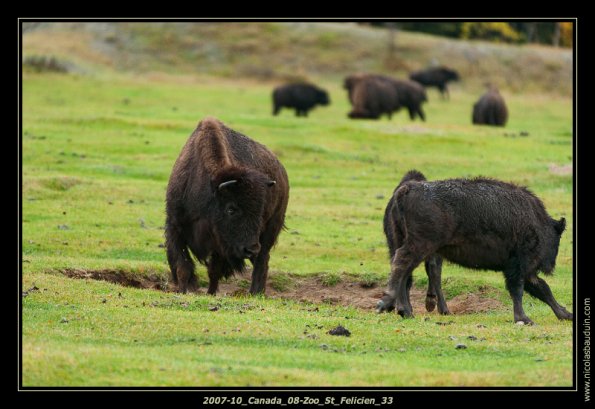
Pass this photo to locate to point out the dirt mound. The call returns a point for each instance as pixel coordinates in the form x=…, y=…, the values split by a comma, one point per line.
x=304, y=289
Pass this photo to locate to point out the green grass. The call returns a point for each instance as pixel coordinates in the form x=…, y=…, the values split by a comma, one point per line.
x=97, y=153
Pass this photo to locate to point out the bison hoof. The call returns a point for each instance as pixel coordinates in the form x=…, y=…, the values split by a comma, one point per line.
x=404, y=313
x=524, y=321
x=430, y=303
x=384, y=305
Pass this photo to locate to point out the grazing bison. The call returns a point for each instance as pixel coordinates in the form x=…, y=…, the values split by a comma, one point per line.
x=225, y=202
x=302, y=97
x=490, y=109
x=435, y=77
x=476, y=223
x=371, y=96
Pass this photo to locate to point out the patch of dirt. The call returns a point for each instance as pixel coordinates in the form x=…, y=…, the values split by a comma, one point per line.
x=310, y=289
x=561, y=170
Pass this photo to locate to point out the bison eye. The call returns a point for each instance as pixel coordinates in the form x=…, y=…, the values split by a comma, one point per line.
x=230, y=211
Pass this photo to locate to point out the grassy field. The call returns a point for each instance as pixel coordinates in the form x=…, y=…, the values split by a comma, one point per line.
x=98, y=146
x=96, y=158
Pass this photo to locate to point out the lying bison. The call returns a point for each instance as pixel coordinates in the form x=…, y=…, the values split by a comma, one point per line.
x=381, y=95
x=225, y=202
x=371, y=96
x=476, y=223
x=490, y=109
x=435, y=77
x=302, y=97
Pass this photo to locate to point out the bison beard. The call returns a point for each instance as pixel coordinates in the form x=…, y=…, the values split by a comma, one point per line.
x=225, y=202
x=477, y=223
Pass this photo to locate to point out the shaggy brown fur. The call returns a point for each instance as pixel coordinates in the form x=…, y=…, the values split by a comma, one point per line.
x=225, y=202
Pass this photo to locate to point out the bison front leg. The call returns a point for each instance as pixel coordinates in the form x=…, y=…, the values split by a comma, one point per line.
x=260, y=272
x=397, y=296
x=216, y=269
x=539, y=289
x=514, y=284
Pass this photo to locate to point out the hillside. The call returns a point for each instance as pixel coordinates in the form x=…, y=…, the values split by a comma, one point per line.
x=282, y=51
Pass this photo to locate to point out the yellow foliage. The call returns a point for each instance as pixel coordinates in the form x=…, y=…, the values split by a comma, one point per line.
x=490, y=30
x=566, y=34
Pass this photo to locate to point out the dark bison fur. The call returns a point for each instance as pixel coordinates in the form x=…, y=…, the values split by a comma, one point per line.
x=225, y=202
x=373, y=95
x=436, y=77
x=477, y=223
x=301, y=96
x=490, y=109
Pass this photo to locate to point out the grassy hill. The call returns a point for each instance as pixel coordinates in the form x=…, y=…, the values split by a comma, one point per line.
x=281, y=51
x=99, y=143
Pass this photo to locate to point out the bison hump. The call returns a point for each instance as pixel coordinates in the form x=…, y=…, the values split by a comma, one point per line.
x=211, y=145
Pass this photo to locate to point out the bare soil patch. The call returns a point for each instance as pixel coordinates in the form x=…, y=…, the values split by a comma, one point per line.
x=303, y=289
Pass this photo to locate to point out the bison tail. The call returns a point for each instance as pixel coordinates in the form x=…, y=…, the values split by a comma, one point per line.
x=413, y=175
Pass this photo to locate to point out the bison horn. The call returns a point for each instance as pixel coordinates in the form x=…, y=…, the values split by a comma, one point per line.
x=271, y=183
x=229, y=182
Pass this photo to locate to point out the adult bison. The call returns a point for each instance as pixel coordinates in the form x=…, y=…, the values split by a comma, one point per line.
x=436, y=77
x=490, y=109
x=412, y=96
x=225, y=202
x=301, y=96
x=477, y=223
x=371, y=96
x=380, y=92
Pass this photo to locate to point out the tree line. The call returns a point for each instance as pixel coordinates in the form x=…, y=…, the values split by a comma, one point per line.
x=559, y=34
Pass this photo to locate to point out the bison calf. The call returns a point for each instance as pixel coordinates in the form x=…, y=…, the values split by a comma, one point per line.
x=435, y=77
x=490, y=109
x=477, y=223
x=302, y=97
x=225, y=202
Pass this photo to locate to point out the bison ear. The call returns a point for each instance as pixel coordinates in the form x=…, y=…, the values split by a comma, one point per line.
x=227, y=183
x=560, y=225
x=271, y=183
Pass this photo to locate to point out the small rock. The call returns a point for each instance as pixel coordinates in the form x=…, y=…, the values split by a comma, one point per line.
x=63, y=320
x=340, y=331
x=161, y=245
x=401, y=350
x=472, y=337
x=524, y=133
x=324, y=346
x=103, y=301
x=480, y=326
x=452, y=338
x=63, y=227
x=295, y=232
x=461, y=346
x=520, y=323
x=214, y=308
x=444, y=323
x=130, y=201
x=379, y=196
x=539, y=360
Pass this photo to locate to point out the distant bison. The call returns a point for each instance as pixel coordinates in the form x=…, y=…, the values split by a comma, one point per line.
x=477, y=223
x=408, y=94
x=371, y=96
x=412, y=96
x=225, y=202
x=490, y=109
x=303, y=97
x=435, y=77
